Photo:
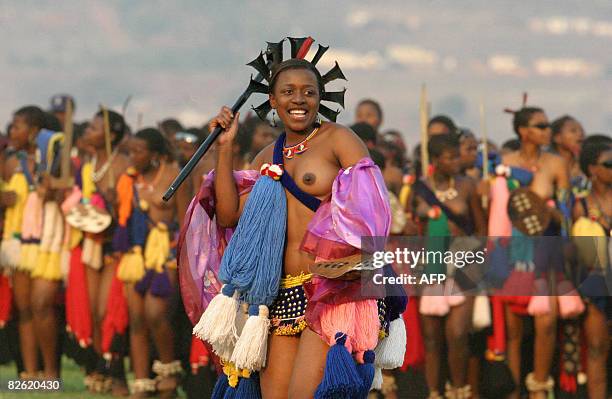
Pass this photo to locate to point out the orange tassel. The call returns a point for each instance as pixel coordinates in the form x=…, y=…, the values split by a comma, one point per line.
x=125, y=194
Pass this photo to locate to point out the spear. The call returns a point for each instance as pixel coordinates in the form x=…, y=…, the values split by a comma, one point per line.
x=423, y=105
x=65, y=180
x=139, y=121
x=204, y=147
x=485, y=151
x=107, y=141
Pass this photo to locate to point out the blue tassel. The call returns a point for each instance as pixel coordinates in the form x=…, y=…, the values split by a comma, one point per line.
x=160, y=285
x=142, y=285
x=340, y=380
x=137, y=227
x=248, y=388
x=521, y=247
x=396, y=299
x=121, y=239
x=366, y=372
x=499, y=265
x=594, y=286
x=253, y=259
x=230, y=393
x=221, y=386
x=157, y=283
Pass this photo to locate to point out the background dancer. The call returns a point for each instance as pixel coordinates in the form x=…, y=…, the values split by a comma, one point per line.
x=447, y=315
x=547, y=176
x=36, y=279
x=102, y=170
x=596, y=163
x=151, y=289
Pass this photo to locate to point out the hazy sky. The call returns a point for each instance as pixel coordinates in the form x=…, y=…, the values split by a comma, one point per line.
x=186, y=58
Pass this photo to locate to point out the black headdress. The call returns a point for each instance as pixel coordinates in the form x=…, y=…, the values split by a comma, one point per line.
x=299, y=48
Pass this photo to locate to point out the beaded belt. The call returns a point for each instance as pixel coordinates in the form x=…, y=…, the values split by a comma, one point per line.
x=287, y=313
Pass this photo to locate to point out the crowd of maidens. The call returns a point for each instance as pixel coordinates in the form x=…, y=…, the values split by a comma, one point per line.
x=88, y=270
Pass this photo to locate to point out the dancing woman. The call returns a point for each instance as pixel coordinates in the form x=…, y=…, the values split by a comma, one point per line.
x=32, y=238
x=146, y=225
x=450, y=206
x=526, y=287
x=96, y=185
x=309, y=173
x=593, y=219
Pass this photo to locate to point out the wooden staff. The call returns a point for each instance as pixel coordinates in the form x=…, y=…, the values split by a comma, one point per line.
x=65, y=180
x=485, y=152
x=107, y=141
x=139, y=121
x=424, y=139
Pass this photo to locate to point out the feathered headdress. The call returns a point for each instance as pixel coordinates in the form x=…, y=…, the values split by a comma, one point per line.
x=265, y=64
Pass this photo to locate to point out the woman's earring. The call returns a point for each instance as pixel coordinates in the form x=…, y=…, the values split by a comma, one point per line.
x=155, y=163
x=274, y=118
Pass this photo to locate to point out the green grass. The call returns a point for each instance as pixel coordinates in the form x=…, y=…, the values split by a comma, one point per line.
x=73, y=387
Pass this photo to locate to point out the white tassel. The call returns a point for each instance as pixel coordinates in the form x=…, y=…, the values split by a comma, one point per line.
x=97, y=257
x=10, y=252
x=217, y=326
x=481, y=316
x=391, y=350
x=58, y=230
x=433, y=302
x=453, y=295
x=241, y=317
x=4, y=252
x=49, y=220
x=251, y=348
x=378, y=379
x=87, y=251
x=65, y=264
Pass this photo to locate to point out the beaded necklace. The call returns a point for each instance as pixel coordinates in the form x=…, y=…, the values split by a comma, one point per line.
x=301, y=147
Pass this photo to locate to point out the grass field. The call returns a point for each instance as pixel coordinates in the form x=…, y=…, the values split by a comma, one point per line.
x=72, y=378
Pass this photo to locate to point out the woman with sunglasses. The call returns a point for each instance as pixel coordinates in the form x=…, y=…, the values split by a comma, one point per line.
x=546, y=175
x=595, y=212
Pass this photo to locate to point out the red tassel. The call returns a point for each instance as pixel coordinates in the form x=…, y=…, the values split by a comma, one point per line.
x=567, y=382
x=415, y=348
x=116, y=318
x=199, y=355
x=304, y=48
x=78, y=314
x=496, y=343
x=6, y=300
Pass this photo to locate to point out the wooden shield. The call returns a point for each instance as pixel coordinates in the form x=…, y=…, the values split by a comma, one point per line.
x=528, y=212
x=88, y=218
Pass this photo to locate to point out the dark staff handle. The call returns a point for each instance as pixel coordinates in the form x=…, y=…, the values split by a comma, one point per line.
x=203, y=148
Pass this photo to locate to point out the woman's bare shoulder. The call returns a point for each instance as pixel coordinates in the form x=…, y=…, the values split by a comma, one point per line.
x=348, y=147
